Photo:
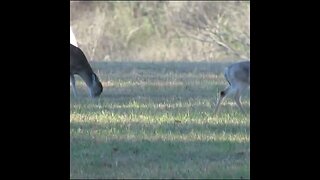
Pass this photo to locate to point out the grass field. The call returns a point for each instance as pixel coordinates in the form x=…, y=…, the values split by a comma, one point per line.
x=155, y=120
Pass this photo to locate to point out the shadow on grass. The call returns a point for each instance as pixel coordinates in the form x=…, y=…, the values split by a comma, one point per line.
x=103, y=155
x=152, y=80
x=159, y=160
x=162, y=67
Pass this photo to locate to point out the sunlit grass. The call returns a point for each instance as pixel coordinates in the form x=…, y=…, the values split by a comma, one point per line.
x=156, y=121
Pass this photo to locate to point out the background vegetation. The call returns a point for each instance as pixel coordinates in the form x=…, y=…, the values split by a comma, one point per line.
x=162, y=30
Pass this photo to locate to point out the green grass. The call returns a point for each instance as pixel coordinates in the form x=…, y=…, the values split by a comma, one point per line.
x=155, y=120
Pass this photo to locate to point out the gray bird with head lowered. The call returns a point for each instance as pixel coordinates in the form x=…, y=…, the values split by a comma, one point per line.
x=79, y=65
x=238, y=77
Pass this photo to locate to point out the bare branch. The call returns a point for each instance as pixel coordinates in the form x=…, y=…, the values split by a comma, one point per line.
x=131, y=33
x=217, y=30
